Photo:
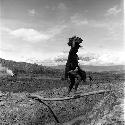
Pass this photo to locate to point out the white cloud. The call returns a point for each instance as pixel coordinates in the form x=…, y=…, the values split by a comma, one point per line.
x=58, y=7
x=115, y=31
x=32, y=12
x=98, y=24
x=5, y=29
x=105, y=57
x=7, y=48
x=114, y=28
x=62, y=6
x=30, y=35
x=56, y=29
x=83, y=22
x=113, y=11
x=78, y=20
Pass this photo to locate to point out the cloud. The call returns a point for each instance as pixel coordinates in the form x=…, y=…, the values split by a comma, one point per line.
x=62, y=6
x=32, y=35
x=104, y=58
x=78, y=20
x=5, y=29
x=114, y=28
x=113, y=11
x=100, y=58
x=56, y=29
x=32, y=12
x=115, y=31
x=98, y=24
x=6, y=49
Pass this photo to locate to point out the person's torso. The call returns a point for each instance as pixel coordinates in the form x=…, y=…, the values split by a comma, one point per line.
x=72, y=61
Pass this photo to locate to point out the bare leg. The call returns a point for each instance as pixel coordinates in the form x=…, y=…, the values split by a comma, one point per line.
x=72, y=82
x=77, y=83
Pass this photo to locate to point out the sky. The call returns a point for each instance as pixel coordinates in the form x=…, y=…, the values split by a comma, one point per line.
x=38, y=30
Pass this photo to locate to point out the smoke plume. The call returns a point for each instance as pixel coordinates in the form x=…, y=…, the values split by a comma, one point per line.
x=5, y=71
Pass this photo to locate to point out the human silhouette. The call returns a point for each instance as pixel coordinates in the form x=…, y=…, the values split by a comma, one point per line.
x=72, y=69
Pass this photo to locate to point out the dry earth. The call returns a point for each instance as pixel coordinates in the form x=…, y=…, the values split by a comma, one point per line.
x=98, y=109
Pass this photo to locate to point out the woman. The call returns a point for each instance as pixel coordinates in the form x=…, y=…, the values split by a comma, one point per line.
x=72, y=70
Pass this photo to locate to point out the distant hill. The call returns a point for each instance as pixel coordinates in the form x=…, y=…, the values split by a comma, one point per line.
x=104, y=68
x=28, y=68
x=96, y=68
x=35, y=68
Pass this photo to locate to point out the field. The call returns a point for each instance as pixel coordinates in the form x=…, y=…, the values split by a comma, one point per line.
x=97, y=109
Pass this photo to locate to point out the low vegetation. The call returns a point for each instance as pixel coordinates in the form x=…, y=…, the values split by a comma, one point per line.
x=98, y=109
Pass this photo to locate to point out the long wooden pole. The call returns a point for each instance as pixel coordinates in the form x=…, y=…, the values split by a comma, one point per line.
x=68, y=98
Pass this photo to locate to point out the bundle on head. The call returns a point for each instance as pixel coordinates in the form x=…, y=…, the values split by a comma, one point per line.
x=74, y=41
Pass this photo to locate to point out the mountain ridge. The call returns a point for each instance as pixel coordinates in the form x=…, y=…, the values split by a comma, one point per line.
x=96, y=68
x=9, y=63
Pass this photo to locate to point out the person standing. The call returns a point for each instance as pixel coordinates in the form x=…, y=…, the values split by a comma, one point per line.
x=72, y=69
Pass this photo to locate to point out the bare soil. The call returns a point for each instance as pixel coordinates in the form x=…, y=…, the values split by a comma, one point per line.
x=98, y=109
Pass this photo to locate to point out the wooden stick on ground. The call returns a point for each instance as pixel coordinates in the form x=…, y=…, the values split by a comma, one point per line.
x=68, y=98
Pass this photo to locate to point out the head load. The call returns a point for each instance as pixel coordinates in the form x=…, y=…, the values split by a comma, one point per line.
x=75, y=41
